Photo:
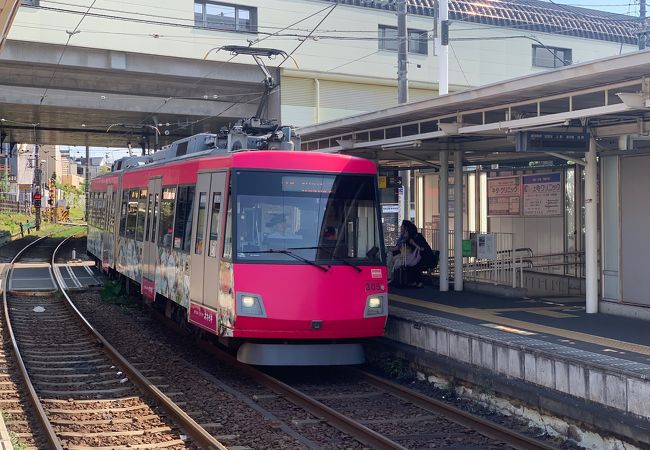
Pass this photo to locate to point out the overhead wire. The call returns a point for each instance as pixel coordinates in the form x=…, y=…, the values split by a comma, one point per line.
x=310, y=33
x=460, y=66
x=70, y=34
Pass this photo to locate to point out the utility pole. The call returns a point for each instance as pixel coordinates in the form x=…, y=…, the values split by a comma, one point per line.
x=37, y=186
x=87, y=187
x=642, y=36
x=403, y=94
x=443, y=54
x=402, y=54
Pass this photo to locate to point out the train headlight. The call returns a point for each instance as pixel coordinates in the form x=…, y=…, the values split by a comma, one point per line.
x=248, y=301
x=250, y=305
x=376, y=305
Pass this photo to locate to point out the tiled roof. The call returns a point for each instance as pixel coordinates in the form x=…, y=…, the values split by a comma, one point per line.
x=532, y=15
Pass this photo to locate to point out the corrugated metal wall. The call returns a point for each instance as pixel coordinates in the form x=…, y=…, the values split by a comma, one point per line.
x=337, y=99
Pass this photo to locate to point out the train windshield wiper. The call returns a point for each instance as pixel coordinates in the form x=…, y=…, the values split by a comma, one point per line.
x=332, y=256
x=292, y=254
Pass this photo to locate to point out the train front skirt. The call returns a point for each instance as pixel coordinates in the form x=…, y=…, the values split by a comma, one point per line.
x=331, y=354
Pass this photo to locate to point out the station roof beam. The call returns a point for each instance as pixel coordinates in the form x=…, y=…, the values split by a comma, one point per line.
x=609, y=96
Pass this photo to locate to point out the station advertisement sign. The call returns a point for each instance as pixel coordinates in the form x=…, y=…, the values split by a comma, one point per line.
x=542, y=195
x=390, y=213
x=504, y=196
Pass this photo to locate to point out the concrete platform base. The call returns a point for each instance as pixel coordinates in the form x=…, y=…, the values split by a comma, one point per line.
x=602, y=392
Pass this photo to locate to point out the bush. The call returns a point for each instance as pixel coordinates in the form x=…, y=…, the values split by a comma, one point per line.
x=113, y=292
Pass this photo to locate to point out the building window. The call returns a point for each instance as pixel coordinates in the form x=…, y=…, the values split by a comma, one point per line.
x=223, y=16
x=551, y=57
x=418, y=40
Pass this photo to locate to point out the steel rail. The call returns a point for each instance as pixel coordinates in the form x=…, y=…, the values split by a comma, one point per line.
x=343, y=423
x=50, y=435
x=199, y=435
x=485, y=427
x=359, y=431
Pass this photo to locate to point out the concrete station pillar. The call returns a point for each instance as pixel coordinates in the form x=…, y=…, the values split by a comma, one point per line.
x=458, y=221
x=443, y=228
x=591, y=222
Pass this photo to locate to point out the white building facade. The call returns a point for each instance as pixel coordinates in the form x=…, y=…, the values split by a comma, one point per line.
x=343, y=55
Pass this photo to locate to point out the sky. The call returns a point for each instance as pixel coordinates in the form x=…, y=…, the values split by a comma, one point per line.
x=630, y=7
x=111, y=153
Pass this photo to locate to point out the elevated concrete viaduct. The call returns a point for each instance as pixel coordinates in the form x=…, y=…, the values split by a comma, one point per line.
x=105, y=98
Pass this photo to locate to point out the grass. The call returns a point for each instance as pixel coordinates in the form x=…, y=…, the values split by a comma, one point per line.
x=76, y=214
x=66, y=231
x=113, y=292
x=15, y=443
x=10, y=222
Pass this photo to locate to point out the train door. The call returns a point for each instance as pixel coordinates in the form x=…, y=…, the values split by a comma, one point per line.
x=149, y=245
x=206, y=248
x=197, y=250
x=215, y=221
x=107, y=244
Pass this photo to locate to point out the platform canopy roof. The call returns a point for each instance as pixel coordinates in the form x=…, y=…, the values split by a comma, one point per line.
x=607, y=97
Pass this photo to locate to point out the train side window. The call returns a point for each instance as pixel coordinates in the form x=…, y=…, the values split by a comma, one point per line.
x=200, y=223
x=156, y=214
x=183, y=222
x=132, y=213
x=214, y=225
x=103, y=218
x=166, y=217
x=149, y=216
x=142, y=204
x=125, y=201
x=112, y=218
x=227, y=241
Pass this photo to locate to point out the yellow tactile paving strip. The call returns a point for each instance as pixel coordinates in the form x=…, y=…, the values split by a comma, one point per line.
x=489, y=316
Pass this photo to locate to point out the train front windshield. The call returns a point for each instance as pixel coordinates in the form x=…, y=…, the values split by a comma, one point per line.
x=292, y=217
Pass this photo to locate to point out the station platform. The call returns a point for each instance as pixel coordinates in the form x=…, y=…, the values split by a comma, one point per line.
x=591, y=367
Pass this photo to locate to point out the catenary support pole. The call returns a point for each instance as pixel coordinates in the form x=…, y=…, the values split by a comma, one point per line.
x=443, y=51
x=402, y=54
x=443, y=236
x=643, y=36
x=591, y=239
x=37, y=185
x=403, y=96
x=87, y=187
x=458, y=221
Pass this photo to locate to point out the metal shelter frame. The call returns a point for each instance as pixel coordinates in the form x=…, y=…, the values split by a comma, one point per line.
x=609, y=98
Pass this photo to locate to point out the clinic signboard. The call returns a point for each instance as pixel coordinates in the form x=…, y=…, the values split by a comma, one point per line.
x=504, y=196
x=542, y=195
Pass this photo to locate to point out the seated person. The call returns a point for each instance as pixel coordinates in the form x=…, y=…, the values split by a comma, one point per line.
x=280, y=228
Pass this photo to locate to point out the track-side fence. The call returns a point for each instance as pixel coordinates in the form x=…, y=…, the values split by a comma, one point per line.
x=510, y=264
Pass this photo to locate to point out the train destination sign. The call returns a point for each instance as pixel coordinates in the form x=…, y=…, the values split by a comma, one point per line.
x=552, y=141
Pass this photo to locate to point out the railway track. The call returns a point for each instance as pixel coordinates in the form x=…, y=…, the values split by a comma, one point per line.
x=355, y=406
x=382, y=414
x=83, y=393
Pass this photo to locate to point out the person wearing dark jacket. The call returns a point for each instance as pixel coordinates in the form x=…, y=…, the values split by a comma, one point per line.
x=427, y=256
